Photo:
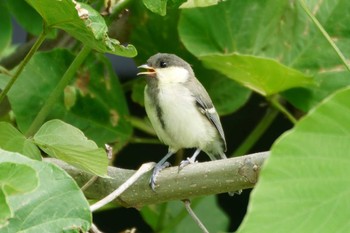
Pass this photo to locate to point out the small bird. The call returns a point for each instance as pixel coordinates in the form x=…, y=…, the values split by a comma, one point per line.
x=180, y=110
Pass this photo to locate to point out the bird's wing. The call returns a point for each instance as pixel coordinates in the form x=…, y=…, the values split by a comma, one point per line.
x=206, y=107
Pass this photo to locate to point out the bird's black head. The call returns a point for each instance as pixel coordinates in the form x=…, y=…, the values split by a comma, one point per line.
x=165, y=60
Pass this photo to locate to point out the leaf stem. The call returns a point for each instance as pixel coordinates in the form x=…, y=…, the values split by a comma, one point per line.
x=21, y=66
x=275, y=101
x=324, y=32
x=141, y=124
x=258, y=131
x=56, y=93
x=145, y=140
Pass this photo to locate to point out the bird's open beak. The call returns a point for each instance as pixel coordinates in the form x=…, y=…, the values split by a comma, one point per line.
x=150, y=70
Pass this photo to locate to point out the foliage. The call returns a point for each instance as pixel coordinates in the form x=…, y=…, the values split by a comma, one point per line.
x=64, y=100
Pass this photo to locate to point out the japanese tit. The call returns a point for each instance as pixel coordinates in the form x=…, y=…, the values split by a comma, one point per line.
x=180, y=110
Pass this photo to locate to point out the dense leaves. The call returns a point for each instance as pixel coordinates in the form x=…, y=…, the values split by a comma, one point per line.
x=234, y=47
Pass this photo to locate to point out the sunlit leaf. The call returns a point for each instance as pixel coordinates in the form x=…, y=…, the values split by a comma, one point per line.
x=304, y=185
x=12, y=140
x=83, y=22
x=263, y=75
x=56, y=204
x=65, y=142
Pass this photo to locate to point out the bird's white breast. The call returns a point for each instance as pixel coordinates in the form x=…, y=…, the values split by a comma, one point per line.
x=185, y=126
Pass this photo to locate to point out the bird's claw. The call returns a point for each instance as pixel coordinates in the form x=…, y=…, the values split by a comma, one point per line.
x=186, y=162
x=156, y=170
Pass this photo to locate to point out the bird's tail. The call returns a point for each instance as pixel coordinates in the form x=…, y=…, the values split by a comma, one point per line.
x=215, y=156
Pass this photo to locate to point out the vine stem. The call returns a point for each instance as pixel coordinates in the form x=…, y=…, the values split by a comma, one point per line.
x=276, y=103
x=325, y=34
x=258, y=131
x=56, y=93
x=21, y=66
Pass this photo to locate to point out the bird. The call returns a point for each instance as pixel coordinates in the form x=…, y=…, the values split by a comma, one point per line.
x=180, y=111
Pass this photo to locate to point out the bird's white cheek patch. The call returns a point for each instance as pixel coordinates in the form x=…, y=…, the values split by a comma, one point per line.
x=172, y=75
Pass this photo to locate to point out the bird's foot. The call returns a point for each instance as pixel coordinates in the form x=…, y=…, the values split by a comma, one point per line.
x=156, y=170
x=186, y=162
x=231, y=194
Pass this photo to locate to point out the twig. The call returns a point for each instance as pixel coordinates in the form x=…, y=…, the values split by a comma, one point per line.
x=142, y=170
x=275, y=101
x=194, y=216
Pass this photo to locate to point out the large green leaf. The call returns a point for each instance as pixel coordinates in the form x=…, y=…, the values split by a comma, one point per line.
x=100, y=107
x=282, y=32
x=14, y=179
x=265, y=76
x=175, y=218
x=82, y=22
x=12, y=140
x=304, y=185
x=158, y=34
x=57, y=204
x=65, y=142
x=216, y=41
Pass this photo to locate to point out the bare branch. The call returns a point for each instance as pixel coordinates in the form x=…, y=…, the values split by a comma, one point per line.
x=198, y=179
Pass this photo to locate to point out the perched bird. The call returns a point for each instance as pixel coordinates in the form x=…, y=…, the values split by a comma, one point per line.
x=180, y=110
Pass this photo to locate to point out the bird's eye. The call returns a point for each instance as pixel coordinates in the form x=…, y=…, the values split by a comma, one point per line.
x=163, y=64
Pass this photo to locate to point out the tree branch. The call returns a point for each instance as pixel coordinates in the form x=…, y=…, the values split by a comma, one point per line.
x=198, y=179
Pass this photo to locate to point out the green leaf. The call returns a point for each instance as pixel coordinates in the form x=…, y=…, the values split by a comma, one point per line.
x=216, y=43
x=5, y=211
x=82, y=22
x=17, y=178
x=176, y=219
x=156, y=6
x=199, y=3
x=65, y=142
x=12, y=140
x=6, y=27
x=263, y=75
x=99, y=109
x=28, y=18
x=56, y=204
x=304, y=185
x=282, y=32
x=157, y=34
x=14, y=179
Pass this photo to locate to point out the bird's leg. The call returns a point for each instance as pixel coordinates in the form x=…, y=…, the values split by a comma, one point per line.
x=191, y=160
x=159, y=166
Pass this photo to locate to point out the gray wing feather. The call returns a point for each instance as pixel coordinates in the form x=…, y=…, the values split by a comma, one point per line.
x=204, y=103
